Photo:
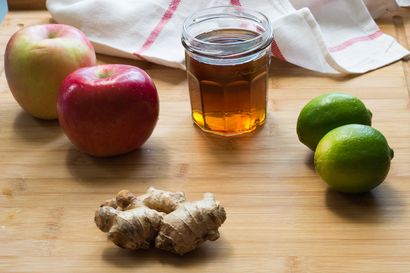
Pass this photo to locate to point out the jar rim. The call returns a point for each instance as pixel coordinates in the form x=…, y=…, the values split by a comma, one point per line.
x=260, y=41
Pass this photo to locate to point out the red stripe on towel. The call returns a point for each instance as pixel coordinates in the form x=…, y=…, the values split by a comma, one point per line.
x=355, y=40
x=159, y=27
x=236, y=3
x=276, y=51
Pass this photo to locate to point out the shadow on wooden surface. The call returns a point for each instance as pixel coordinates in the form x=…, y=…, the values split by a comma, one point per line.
x=26, y=4
x=32, y=129
x=372, y=207
x=232, y=150
x=173, y=76
x=143, y=162
x=310, y=160
x=206, y=253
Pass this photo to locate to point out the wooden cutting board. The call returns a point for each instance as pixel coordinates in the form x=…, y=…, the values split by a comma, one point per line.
x=281, y=216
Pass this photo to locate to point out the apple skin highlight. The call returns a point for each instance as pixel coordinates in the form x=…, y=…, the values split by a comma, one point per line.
x=36, y=61
x=108, y=110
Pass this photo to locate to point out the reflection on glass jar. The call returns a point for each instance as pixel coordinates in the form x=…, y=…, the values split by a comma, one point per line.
x=227, y=60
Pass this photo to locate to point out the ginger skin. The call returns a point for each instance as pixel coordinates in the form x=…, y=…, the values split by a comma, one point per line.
x=134, y=228
x=134, y=222
x=163, y=201
x=190, y=225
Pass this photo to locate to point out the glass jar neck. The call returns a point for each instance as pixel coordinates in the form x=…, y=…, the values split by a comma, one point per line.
x=226, y=33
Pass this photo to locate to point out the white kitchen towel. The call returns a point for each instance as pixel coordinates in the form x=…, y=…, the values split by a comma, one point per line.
x=329, y=36
x=403, y=3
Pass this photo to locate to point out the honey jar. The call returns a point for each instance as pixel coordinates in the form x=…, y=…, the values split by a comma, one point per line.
x=227, y=55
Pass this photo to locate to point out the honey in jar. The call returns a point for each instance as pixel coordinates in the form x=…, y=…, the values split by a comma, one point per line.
x=227, y=69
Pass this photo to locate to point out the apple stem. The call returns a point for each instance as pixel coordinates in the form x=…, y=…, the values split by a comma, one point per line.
x=105, y=73
x=52, y=35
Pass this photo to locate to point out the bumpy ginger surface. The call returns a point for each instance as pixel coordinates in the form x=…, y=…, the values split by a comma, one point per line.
x=134, y=222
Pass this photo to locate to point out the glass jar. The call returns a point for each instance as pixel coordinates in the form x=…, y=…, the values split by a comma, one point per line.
x=227, y=60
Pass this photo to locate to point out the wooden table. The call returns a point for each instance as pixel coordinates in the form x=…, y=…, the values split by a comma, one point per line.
x=281, y=216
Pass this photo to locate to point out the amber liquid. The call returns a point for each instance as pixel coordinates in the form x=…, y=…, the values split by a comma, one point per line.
x=228, y=97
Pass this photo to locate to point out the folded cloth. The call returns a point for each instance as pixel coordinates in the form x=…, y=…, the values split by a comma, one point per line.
x=403, y=3
x=328, y=36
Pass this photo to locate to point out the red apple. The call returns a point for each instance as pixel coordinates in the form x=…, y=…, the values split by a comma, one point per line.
x=109, y=109
x=36, y=61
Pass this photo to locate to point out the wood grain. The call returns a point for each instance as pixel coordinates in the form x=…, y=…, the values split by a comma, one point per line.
x=281, y=217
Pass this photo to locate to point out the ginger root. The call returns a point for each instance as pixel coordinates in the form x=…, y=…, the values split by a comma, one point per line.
x=134, y=222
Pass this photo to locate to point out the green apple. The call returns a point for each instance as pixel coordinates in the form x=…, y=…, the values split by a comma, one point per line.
x=36, y=61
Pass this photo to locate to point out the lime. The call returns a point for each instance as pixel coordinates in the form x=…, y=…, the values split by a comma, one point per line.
x=353, y=158
x=329, y=111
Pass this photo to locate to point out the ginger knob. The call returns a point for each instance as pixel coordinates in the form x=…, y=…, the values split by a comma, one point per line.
x=190, y=225
x=160, y=217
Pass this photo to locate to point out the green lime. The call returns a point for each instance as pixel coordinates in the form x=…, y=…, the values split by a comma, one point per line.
x=329, y=111
x=353, y=158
